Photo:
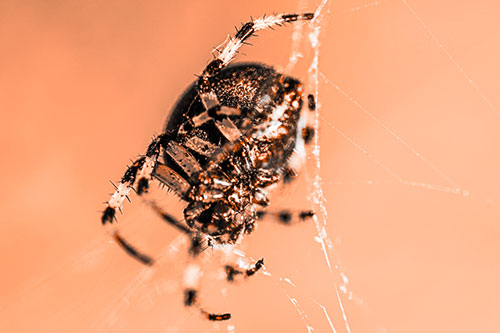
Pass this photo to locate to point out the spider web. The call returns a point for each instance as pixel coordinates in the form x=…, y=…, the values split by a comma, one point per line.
x=158, y=289
x=309, y=283
x=304, y=37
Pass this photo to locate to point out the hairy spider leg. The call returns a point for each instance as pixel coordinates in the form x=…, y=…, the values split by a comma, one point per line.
x=132, y=251
x=169, y=219
x=142, y=257
x=247, y=30
x=308, y=131
x=235, y=141
x=286, y=216
x=199, y=243
x=191, y=284
x=141, y=172
x=304, y=138
x=230, y=48
x=138, y=175
x=192, y=272
x=231, y=271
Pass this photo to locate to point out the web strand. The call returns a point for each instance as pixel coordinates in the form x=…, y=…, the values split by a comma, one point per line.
x=321, y=218
x=452, y=59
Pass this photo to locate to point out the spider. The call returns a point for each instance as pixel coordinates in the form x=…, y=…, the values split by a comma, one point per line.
x=237, y=130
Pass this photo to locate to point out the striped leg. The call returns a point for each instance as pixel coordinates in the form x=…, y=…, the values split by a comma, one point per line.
x=231, y=271
x=229, y=49
x=196, y=244
x=191, y=283
x=138, y=175
x=141, y=172
x=232, y=44
x=286, y=216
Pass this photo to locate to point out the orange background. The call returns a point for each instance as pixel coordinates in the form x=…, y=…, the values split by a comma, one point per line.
x=409, y=135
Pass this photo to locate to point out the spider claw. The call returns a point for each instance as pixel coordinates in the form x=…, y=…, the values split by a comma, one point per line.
x=306, y=214
x=190, y=296
x=308, y=16
x=108, y=215
x=142, y=186
x=218, y=317
x=258, y=265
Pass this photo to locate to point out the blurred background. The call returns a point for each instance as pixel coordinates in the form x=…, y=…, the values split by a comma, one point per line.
x=409, y=123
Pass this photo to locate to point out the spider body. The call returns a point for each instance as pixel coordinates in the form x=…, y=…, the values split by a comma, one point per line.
x=254, y=129
x=231, y=135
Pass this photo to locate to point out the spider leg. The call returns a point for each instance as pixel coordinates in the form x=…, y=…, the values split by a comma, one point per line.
x=144, y=258
x=186, y=161
x=311, y=103
x=308, y=134
x=132, y=251
x=138, y=175
x=305, y=136
x=168, y=218
x=308, y=131
x=231, y=271
x=232, y=44
x=192, y=273
x=191, y=281
x=199, y=243
x=289, y=174
x=227, y=129
x=286, y=216
x=236, y=141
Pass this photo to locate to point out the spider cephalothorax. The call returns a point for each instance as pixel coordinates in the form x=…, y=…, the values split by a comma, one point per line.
x=230, y=136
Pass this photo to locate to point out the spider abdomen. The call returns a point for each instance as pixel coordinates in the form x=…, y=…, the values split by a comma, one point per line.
x=235, y=86
x=248, y=93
